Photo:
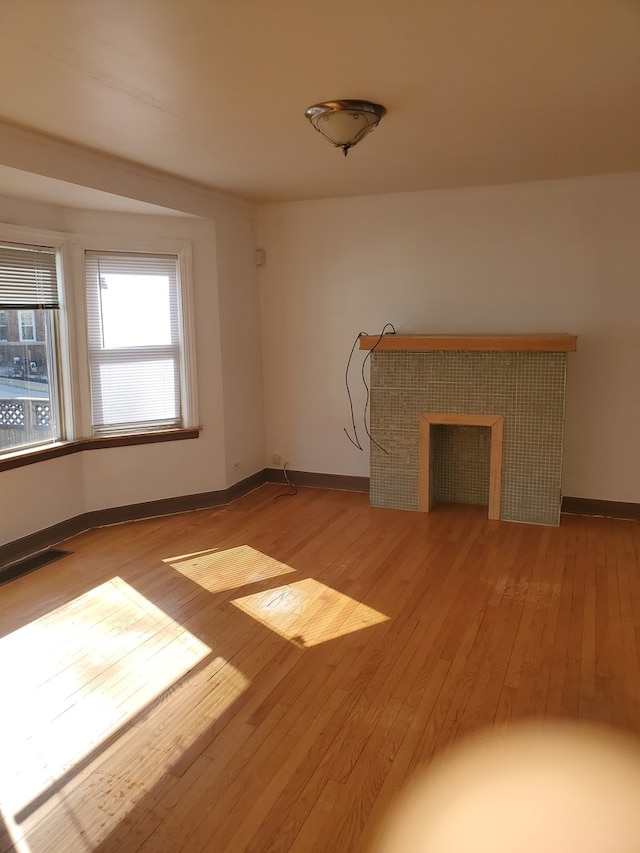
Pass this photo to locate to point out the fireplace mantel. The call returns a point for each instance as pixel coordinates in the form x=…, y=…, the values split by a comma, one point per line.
x=473, y=343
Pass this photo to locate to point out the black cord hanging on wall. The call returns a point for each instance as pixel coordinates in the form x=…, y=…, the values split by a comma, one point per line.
x=388, y=329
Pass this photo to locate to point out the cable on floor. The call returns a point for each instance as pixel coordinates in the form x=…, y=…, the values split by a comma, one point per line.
x=293, y=489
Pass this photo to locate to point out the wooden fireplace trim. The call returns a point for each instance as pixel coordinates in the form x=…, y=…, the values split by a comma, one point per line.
x=495, y=422
x=470, y=343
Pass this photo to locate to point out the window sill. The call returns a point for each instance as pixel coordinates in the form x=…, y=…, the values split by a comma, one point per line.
x=65, y=448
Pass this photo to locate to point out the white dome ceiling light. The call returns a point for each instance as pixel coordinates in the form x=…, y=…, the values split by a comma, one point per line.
x=345, y=123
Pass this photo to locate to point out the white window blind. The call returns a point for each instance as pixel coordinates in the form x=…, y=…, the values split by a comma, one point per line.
x=28, y=277
x=134, y=340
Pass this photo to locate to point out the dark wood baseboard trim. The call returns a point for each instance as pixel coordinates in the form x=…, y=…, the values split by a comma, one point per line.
x=321, y=481
x=21, y=548
x=173, y=506
x=245, y=486
x=608, y=509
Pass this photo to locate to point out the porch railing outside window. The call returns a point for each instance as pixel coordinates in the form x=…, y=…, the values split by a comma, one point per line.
x=29, y=304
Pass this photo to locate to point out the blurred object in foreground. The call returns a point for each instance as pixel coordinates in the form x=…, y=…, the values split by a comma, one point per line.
x=557, y=788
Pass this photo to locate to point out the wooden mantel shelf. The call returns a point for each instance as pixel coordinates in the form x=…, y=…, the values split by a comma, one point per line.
x=493, y=343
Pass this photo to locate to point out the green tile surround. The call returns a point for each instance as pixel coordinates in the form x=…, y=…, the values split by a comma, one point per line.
x=526, y=388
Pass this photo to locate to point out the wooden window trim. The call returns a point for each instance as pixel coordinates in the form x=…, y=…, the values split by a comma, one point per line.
x=31, y=455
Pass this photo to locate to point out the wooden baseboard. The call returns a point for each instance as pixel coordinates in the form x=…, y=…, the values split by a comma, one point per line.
x=608, y=509
x=21, y=548
x=321, y=481
x=34, y=542
x=173, y=506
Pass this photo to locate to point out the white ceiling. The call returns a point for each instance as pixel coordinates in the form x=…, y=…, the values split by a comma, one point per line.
x=214, y=91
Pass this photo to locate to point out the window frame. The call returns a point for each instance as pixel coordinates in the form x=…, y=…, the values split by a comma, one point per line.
x=4, y=325
x=58, y=323
x=21, y=326
x=82, y=243
x=125, y=369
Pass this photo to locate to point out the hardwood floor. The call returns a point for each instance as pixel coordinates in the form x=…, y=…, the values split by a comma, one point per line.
x=267, y=675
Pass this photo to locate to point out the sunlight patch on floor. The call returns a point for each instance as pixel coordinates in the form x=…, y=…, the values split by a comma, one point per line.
x=76, y=675
x=10, y=833
x=308, y=612
x=81, y=813
x=217, y=571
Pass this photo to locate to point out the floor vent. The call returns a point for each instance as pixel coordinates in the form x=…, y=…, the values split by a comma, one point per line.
x=30, y=564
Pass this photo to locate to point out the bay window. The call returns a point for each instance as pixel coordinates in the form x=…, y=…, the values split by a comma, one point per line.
x=96, y=344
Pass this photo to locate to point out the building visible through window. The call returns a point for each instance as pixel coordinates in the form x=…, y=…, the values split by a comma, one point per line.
x=28, y=341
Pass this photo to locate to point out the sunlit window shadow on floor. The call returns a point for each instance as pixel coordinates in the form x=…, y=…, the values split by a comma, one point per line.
x=217, y=570
x=308, y=612
x=80, y=674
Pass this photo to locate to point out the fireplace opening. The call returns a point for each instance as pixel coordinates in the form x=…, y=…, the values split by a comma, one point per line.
x=460, y=464
x=460, y=460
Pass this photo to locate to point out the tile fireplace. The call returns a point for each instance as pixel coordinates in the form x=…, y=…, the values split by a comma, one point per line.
x=469, y=419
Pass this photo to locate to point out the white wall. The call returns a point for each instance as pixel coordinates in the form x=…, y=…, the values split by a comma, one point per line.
x=559, y=256
x=38, y=496
x=240, y=336
x=226, y=305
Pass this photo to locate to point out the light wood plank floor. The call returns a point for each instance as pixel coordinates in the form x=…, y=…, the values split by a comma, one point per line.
x=267, y=675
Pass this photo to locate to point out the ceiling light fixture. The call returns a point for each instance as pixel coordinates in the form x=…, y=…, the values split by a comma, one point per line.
x=345, y=123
